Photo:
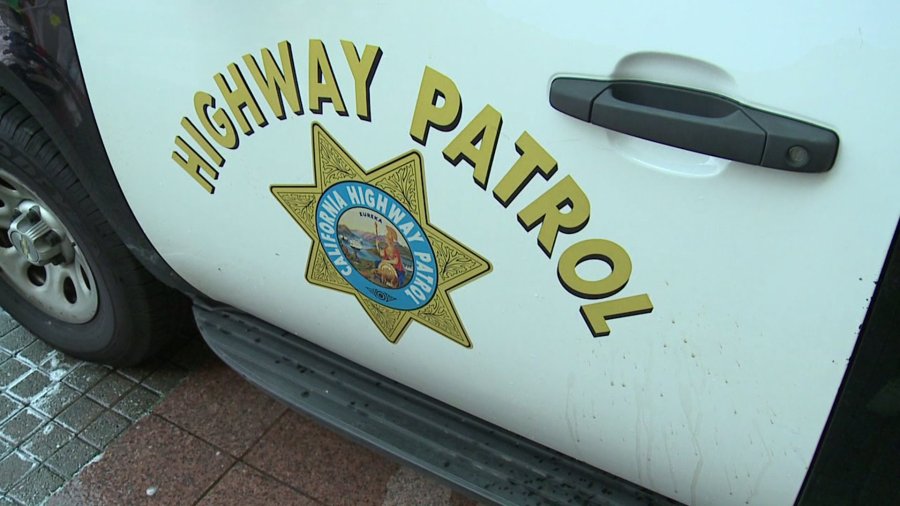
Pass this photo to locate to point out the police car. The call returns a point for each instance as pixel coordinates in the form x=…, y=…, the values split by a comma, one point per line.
x=581, y=253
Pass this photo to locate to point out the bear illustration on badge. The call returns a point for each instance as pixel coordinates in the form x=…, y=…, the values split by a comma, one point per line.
x=372, y=238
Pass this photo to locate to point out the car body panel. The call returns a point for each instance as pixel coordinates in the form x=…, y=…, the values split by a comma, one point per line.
x=759, y=279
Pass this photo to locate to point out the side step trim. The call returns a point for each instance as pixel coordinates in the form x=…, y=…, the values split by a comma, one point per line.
x=469, y=454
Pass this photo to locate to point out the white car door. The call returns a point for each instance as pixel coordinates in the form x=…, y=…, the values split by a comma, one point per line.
x=391, y=182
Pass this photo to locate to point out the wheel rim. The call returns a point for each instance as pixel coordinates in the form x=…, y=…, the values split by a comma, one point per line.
x=40, y=258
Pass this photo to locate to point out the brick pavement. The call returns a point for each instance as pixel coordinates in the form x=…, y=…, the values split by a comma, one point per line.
x=57, y=414
x=86, y=434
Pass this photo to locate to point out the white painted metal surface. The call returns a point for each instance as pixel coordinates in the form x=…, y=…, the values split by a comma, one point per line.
x=759, y=279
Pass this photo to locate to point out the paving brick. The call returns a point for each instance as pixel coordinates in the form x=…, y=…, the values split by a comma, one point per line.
x=36, y=352
x=12, y=371
x=244, y=485
x=165, y=378
x=36, y=487
x=58, y=413
x=220, y=407
x=309, y=457
x=71, y=457
x=104, y=429
x=16, y=340
x=136, y=403
x=46, y=441
x=110, y=389
x=80, y=414
x=21, y=425
x=6, y=323
x=5, y=448
x=8, y=407
x=58, y=364
x=138, y=373
x=83, y=377
x=56, y=398
x=13, y=468
x=457, y=499
x=408, y=486
x=154, y=453
x=30, y=387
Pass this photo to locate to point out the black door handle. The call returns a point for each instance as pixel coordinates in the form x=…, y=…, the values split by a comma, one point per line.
x=697, y=121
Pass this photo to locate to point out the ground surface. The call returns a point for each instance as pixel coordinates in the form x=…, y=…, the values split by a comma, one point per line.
x=184, y=429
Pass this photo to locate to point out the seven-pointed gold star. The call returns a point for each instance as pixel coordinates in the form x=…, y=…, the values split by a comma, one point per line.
x=404, y=179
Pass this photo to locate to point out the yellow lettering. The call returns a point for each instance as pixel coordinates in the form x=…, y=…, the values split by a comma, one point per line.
x=210, y=150
x=220, y=127
x=193, y=164
x=435, y=86
x=477, y=143
x=533, y=159
x=323, y=86
x=275, y=84
x=548, y=211
x=363, y=70
x=239, y=98
x=596, y=314
x=594, y=249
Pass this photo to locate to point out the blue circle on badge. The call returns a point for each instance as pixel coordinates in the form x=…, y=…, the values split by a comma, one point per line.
x=377, y=245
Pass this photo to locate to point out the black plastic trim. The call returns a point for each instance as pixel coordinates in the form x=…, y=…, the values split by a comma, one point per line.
x=698, y=121
x=469, y=454
x=39, y=67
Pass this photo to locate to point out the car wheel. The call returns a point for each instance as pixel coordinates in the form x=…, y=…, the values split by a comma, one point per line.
x=64, y=273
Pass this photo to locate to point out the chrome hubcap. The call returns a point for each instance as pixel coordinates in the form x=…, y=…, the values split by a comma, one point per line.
x=33, y=237
x=40, y=259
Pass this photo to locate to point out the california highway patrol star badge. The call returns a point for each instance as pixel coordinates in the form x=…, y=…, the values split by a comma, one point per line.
x=371, y=237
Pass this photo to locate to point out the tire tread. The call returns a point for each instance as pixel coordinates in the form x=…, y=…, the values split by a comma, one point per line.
x=151, y=313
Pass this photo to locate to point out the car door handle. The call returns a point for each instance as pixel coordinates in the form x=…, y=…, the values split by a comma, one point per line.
x=697, y=121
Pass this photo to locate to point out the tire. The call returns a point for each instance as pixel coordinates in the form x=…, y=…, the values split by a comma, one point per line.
x=118, y=313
